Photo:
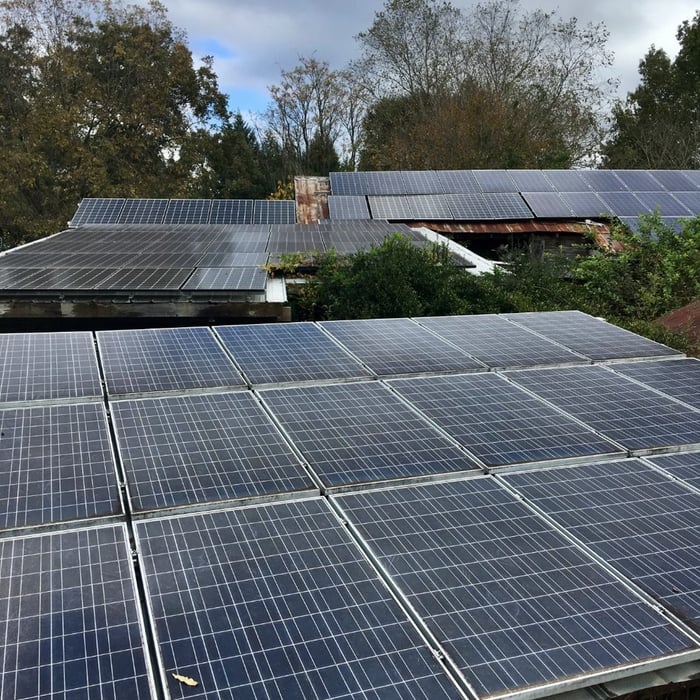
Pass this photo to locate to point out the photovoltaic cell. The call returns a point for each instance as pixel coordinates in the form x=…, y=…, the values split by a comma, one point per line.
x=678, y=378
x=274, y=211
x=97, y=211
x=665, y=202
x=70, y=622
x=548, y=205
x=567, y=180
x=56, y=464
x=227, y=279
x=429, y=207
x=682, y=465
x=693, y=176
x=382, y=182
x=231, y=211
x=691, y=200
x=346, y=184
x=348, y=207
x=198, y=448
x=164, y=359
x=390, y=207
x=498, y=422
x=421, y=182
x=530, y=181
x=602, y=180
x=359, y=432
x=507, y=205
x=494, y=181
x=398, y=346
x=146, y=279
x=457, y=181
x=143, y=211
x=496, y=342
x=272, y=353
x=188, y=211
x=672, y=180
x=513, y=602
x=638, y=180
x=48, y=366
x=298, y=238
x=233, y=259
x=589, y=336
x=286, y=607
x=584, y=204
x=470, y=206
x=642, y=523
x=632, y=415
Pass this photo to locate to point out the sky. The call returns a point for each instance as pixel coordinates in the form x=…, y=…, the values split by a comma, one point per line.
x=253, y=40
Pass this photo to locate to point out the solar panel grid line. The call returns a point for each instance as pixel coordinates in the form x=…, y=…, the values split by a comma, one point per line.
x=524, y=613
x=637, y=522
x=296, y=609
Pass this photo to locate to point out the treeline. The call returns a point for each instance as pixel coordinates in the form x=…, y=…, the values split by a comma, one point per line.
x=652, y=273
x=100, y=98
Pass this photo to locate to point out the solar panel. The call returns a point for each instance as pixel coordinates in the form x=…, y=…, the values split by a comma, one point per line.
x=421, y=182
x=547, y=205
x=231, y=211
x=272, y=353
x=567, y=180
x=429, y=207
x=498, y=422
x=602, y=180
x=348, y=207
x=164, y=359
x=346, y=184
x=513, y=602
x=48, y=366
x=398, y=346
x=188, y=211
x=642, y=523
x=678, y=378
x=98, y=210
x=359, y=432
x=665, y=202
x=584, y=204
x=530, y=181
x=672, y=180
x=297, y=238
x=233, y=259
x=683, y=465
x=457, y=181
x=390, y=207
x=143, y=211
x=383, y=183
x=691, y=200
x=693, y=176
x=145, y=280
x=496, y=342
x=589, y=336
x=199, y=448
x=274, y=211
x=632, y=415
x=507, y=205
x=227, y=279
x=638, y=180
x=494, y=181
x=470, y=206
x=56, y=464
x=286, y=607
x=70, y=622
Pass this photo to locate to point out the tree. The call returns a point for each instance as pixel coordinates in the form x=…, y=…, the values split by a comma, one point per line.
x=115, y=101
x=537, y=75
x=658, y=125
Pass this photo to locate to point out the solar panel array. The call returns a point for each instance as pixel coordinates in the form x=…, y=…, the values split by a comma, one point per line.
x=333, y=510
x=484, y=195
x=174, y=261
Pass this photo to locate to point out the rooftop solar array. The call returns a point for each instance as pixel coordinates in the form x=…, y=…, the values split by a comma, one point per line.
x=279, y=511
x=567, y=194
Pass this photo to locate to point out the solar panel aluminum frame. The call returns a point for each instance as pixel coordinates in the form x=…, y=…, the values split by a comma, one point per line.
x=544, y=690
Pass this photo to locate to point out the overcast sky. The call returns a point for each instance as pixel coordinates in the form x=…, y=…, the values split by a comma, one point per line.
x=252, y=40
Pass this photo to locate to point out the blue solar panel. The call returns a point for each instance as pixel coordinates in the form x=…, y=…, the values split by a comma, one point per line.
x=673, y=180
x=188, y=211
x=691, y=200
x=665, y=202
x=494, y=181
x=346, y=184
x=274, y=211
x=287, y=352
x=513, y=602
x=227, y=279
x=507, y=205
x=457, y=181
x=277, y=602
x=421, y=182
x=498, y=422
x=567, y=180
x=231, y=211
x=390, y=207
x=638, y=180
x=359, y=432
x=97, y=211
x=602, y=180
x=381, y=182
x=632, y=415
x=531, y=181
x=348, y=207
x=201, y=448
x=548, y=205
x=70, y=621
x=470, y=206
x=584, y=204
x=143, y=211
x=164, y=359
x=642, y=523
x=398, y=346
x=428, y=207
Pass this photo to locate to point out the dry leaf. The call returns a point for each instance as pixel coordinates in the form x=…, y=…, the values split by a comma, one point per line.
x=186, y=680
